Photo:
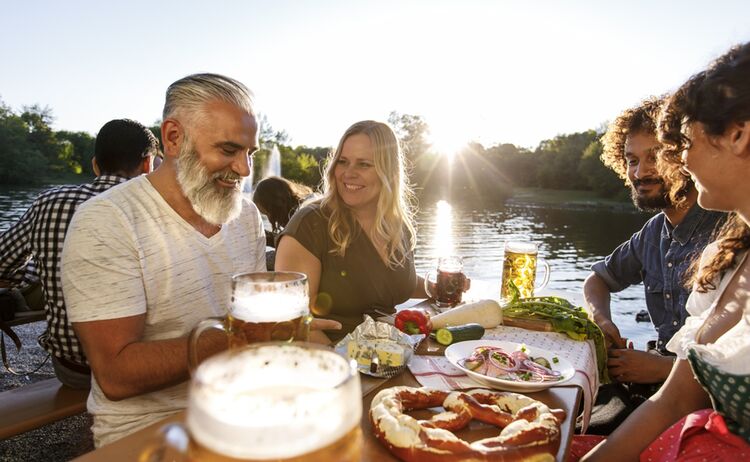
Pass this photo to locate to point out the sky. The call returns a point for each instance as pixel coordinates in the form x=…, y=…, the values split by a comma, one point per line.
x=487, y=71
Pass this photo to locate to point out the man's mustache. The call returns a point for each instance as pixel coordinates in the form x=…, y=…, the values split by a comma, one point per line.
x=228, y=177
x=647, y=181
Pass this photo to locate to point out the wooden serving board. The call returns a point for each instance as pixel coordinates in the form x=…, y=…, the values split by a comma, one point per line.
x=530, y=324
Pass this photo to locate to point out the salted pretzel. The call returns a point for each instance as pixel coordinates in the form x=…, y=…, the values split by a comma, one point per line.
x=530, y=430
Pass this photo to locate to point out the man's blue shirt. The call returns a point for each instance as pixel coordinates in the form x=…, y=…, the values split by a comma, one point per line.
x=658, y=256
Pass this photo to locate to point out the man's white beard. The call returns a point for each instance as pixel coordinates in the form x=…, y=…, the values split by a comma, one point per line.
x=215, y=204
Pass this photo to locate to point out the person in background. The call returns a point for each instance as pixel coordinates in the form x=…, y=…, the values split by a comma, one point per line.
x=657, y=256
x=356, y=244
x=278, y=198
x=702, y=412
x=123, y=149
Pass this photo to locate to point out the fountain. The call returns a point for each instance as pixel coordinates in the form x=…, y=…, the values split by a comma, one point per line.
x=273, y=166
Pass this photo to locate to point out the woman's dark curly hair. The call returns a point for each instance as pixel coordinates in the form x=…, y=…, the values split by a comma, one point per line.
x=715, y=97
x=278, y=198
x=638, y=119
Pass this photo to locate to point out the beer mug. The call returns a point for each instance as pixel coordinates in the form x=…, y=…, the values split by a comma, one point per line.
x=266, y=306
x=268, y=401
x=519, y=266
x=447, y=284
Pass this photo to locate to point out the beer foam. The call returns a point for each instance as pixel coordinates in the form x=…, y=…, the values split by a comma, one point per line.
x=522, y=247
x=270, y=307
x=273, y=402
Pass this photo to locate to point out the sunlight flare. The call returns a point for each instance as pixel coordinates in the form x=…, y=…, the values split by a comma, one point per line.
x=442, y=243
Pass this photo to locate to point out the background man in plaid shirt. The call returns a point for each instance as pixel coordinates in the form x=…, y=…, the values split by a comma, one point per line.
x=123, y=149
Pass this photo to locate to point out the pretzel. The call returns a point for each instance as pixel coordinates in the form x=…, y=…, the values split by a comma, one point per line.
x=530, y=430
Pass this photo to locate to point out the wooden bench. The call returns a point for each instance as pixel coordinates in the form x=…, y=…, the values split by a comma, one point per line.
x=32, y=406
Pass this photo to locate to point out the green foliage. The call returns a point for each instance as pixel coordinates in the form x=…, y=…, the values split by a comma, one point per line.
x=30, y=151
x=81, y=146
x=21, y=162
x=558, y=160
x=412, y=130
x=600, y=179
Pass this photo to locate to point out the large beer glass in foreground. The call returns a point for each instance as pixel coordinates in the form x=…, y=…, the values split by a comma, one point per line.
x=281, y=402
x=266, y=306
x=519, y=266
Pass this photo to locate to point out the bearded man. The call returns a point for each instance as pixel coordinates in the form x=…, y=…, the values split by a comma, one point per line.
x=658, y=256
x=147, y=260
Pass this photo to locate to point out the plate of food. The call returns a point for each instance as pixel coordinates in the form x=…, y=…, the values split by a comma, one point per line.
x=510, y=366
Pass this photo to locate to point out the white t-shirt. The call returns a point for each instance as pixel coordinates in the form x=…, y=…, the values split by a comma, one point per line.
x=127, y=253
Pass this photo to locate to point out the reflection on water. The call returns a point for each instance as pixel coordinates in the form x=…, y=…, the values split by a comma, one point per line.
x=13, y=204
x=570, y=240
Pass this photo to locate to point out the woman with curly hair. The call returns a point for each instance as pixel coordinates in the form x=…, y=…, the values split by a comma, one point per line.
x=702, y=410
x=356, y=245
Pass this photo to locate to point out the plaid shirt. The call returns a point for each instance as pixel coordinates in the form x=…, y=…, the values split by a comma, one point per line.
x=39, y=235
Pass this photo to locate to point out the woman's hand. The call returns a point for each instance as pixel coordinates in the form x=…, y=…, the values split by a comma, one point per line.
x=317, y=326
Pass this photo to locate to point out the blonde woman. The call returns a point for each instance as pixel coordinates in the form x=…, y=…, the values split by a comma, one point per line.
x=356, y=244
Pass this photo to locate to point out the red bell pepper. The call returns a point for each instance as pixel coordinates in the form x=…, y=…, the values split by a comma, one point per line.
x=413, y=321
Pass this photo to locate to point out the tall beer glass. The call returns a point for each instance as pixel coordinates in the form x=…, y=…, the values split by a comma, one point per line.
x=271, y=401
x=519, y=267
x=266, y=306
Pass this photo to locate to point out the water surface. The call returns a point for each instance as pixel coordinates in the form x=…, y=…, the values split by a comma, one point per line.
x=570, y=239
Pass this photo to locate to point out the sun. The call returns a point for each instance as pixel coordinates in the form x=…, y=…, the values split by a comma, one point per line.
x=446, y=141
x=445, y=144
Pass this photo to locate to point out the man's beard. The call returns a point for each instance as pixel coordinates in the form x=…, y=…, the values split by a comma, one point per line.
x=654, y=203
x=215, y=204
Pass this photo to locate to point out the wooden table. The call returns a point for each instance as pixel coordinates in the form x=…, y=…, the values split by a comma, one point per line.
x=566, y=398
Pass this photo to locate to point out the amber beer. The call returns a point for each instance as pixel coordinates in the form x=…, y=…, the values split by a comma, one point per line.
x=277, y=318
x=346, y=449
x=265, y=306
x=274, y=401
x=519, y=266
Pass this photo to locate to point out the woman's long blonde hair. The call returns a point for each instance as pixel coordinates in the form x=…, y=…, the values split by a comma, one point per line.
x=394, y=223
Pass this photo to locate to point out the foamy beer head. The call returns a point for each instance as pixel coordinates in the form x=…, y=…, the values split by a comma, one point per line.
x=277, y=401
x=269, y=306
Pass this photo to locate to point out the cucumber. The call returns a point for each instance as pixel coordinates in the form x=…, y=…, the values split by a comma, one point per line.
x=454, y=334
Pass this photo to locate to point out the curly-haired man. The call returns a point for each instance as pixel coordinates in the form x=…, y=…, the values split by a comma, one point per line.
x=658, y=255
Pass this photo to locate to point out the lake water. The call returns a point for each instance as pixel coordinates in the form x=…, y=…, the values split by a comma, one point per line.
x=570, y=240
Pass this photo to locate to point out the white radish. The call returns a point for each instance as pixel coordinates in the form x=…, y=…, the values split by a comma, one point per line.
x=487, y=313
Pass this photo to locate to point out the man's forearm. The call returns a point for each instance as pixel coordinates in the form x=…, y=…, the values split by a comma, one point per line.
x=596, y=295
x=143, y=367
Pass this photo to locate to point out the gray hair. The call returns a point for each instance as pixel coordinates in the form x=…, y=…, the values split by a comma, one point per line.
x=186, y=97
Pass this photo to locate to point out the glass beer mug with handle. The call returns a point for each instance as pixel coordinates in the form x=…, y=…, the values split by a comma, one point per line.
x=266, y=306
x=447, y=284
x=519, y=266
x=268, y=401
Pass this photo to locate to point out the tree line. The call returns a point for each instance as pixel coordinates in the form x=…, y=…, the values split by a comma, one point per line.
x=32, y=152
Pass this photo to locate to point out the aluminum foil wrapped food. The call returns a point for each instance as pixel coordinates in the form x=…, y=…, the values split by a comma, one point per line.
x=379, y=348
